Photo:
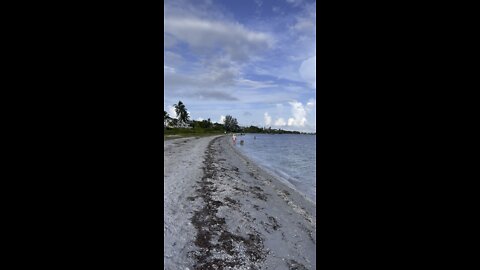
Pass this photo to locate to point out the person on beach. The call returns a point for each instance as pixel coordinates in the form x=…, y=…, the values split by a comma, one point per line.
x=234, y=138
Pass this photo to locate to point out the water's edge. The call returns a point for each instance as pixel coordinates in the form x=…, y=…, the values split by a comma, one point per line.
x=268, y=172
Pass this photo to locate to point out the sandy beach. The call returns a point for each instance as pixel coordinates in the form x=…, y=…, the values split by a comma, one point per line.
x=221, y=211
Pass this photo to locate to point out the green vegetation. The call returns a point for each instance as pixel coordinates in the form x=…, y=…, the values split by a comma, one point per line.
x=181, y=126
x=254, y=129
x=181, y=110
x=196, y=128
x=231, y=124
x=166, y=118
x=192, y=131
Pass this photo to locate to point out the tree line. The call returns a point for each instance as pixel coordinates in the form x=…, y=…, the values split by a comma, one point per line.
x=230, y=124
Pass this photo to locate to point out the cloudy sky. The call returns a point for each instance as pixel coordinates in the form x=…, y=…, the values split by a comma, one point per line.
x=252, y=59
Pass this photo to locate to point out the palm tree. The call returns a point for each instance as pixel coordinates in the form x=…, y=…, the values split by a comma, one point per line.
x=181, y=112
x=166, y=118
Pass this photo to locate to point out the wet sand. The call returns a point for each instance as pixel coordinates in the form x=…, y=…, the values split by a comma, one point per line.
x=223, y=212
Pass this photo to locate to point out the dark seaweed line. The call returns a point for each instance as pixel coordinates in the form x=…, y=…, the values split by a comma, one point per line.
x=210, y=226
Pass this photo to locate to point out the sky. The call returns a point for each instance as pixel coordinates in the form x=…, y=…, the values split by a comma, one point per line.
x=252, y=59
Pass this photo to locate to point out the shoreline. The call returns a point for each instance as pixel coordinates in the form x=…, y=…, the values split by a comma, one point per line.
x=223, y=211
x=271, y=174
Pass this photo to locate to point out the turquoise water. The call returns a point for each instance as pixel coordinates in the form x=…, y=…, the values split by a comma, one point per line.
x=291, y=157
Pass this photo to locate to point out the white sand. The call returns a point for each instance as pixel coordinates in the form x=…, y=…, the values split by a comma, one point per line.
x=222, y=211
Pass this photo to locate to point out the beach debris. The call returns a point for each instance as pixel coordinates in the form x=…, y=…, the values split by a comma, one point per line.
x=234, y=225
x=275, y=224
x=294, y=265
x=231, y=202
x=283, y=194
x=217, y=247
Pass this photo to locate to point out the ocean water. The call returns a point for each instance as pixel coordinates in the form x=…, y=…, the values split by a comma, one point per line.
x=290, y=157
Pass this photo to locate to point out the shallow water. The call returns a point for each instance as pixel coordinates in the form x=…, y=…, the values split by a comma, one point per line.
x=291, y=157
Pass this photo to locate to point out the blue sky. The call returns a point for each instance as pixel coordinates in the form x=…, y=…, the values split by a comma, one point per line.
x=252, y=59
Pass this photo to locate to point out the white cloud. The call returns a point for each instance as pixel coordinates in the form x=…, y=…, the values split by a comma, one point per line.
x=200, y=119
x=267, y=118
x=312, y=112
x=214, y=85
x=305, y=25
x=231, y=38
x=280, y=122
x=209, y=80
x=308, y=71
x=168, y=69
x=222, y=119
x=172, y=59
x=213, y=63
x=171, y=111
x=255, y=84
x=307, y=20
x=311, y=103
x=299, y=115
x=286, y=71
x=295, y=2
